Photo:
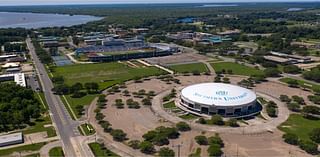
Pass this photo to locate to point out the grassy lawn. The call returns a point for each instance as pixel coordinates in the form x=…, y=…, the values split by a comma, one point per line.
x=105, y=74
x=169, y=105
x=31, y=147
x=56, y=152
x=99, y=152
x=300, y=126
x=38, y=126
x=189, y=116
x=237, y=69
x=86, y=100
x=87, y=132
x=188, y=68
x=302, y=83
x=33, y=155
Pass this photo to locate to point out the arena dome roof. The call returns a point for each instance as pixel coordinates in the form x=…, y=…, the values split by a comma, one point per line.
x=218, y=94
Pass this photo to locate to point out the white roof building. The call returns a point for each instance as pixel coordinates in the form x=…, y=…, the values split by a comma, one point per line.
x=218, y=94
x=11, y=139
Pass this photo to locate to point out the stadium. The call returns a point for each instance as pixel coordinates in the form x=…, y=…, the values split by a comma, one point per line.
x=219, y=98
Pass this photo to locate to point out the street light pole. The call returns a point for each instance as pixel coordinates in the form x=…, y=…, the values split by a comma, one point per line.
x=178, y=146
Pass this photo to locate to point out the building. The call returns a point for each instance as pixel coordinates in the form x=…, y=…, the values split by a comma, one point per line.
x=219, y=98
x=11, y=139
x=5, y=57
x=18, y=78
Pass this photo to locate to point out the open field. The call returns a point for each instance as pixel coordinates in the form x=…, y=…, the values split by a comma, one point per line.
x=187, y=68
x=106, y=74
x=302, y=83
x=300, y=126
x=98, y=151
x=56, y=152
x=31, y=147
x=237, y=69
x=83, y=101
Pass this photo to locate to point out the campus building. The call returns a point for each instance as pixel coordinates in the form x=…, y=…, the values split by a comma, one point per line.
x=11, y=139
x=219, y=98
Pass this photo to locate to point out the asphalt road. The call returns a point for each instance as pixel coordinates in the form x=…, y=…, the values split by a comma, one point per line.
x=65, y=126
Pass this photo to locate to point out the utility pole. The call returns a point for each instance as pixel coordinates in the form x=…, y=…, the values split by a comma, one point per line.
x=178, y=146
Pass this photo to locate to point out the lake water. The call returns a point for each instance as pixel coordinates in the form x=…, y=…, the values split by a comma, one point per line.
x=35, y=20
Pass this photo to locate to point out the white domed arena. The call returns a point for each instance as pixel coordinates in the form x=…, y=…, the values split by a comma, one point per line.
x=219, y=98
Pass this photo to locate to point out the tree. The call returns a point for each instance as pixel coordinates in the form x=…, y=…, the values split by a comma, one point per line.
x=201, y=140
x=315, y=135
x=76, y=87
x=147, y=147
x=79, y=109
x=291, y=138
x=217, y=120
x=214, y=150
x=272, y=72
x=183, y=126
x=118, y=135
x=291, y=69
x=166, y=152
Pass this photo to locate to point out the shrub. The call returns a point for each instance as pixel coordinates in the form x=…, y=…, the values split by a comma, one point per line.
x=291, y=138
x=285, y=98
x=214, y=150
x=134, y=144
x=309, y=146
x=183, y=126
x=216, y=140
x=166, y=152
x=202, y=121
x=118, y=135
x=147, y=147
x=232, y=122
x=315, y=135
x=201, y=140
x=217, y=120
x=295, y=107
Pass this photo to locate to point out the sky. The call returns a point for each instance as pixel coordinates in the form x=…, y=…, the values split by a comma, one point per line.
x=55, y=2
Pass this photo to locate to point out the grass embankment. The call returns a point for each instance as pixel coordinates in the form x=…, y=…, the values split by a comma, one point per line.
x=237, y=69
x=189, y=68
x=300, y=126
x=56, y=152
x=98, y=151
x=31, y=147
x=302, y=83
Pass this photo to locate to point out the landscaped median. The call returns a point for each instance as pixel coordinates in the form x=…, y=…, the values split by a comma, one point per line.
x=86, y=129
